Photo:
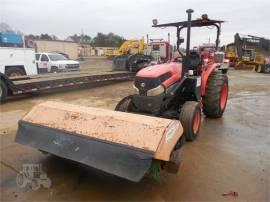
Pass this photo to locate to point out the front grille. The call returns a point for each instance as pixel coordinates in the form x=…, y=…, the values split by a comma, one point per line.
x=72, y=66
x=145, y=83
x=148, y=104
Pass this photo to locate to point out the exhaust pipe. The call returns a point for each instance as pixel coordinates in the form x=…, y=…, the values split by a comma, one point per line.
x=169, y=47
x=189, y=12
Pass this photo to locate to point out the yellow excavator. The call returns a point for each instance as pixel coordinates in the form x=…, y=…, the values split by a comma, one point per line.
x=129, y=56
x=248, y=52
x=128, y=47
x=249, y=57
x=134, y=55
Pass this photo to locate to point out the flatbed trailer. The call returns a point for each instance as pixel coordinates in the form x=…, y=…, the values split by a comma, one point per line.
x=10, y=86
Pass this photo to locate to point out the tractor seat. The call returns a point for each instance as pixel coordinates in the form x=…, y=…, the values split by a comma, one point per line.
x=192, y=61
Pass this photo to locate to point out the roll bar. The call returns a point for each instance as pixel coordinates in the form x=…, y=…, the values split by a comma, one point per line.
x=204, y=21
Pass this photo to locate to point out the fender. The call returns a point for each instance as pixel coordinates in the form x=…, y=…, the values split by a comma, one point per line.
x=205, y=75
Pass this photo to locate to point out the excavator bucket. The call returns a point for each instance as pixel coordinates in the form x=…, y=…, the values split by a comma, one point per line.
x=119, y=143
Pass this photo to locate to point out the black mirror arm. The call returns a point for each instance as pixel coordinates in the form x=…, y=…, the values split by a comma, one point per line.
x=218, y=34
x=178, y=43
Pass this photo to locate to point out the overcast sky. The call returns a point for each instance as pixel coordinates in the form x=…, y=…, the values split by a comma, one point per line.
x=133, y=18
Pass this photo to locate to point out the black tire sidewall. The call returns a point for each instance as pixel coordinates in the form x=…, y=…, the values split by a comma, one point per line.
x=125, y=104
x=197, y=109
x=187, y=116
x=211, y=106
x=221, y=111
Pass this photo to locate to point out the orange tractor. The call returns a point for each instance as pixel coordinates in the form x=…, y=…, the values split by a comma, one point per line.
x=164, y=111
x=180, y=90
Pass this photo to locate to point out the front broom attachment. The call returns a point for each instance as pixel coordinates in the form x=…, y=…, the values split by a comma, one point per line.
x=118, y=143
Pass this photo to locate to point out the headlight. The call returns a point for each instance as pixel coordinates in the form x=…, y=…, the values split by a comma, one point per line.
x=156, y=91
x=136, y=90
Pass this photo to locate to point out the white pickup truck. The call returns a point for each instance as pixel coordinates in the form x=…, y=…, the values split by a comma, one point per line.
x=16, y=61
x=55, y=62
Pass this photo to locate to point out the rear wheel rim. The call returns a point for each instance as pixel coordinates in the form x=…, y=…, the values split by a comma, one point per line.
x=196, y=122
x=223, y=96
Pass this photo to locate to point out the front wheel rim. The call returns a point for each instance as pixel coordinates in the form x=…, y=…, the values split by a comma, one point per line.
x=196, y=122
x=223, y=96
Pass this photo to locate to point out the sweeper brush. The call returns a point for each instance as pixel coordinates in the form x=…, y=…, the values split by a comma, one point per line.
x=122, y=144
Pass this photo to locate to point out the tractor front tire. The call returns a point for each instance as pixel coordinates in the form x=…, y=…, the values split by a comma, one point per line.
x=125, y=105
x=190, y=118
x=216, y=95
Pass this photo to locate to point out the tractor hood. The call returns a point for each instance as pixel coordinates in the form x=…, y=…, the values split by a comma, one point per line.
x=167, y=73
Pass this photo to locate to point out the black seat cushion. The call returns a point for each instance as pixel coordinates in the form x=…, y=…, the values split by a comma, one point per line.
x=192, y=61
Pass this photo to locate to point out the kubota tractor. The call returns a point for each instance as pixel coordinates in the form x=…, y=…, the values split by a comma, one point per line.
x=181, y=89
x=132, y=145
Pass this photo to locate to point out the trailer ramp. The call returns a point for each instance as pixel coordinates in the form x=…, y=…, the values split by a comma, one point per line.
x=40, y=83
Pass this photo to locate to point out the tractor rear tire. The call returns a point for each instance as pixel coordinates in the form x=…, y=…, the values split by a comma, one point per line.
x=216, y=95
x=125, y=105
x=190, y=118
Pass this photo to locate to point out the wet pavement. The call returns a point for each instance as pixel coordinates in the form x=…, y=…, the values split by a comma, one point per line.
x=231, y=153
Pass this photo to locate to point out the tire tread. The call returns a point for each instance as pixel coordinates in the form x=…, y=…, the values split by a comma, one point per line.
x=211, y=100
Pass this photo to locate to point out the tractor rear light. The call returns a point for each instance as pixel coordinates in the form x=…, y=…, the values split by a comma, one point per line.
x=136, y=90
x=156, y=91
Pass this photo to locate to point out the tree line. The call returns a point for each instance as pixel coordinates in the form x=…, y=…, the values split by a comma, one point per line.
x=100, y=40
